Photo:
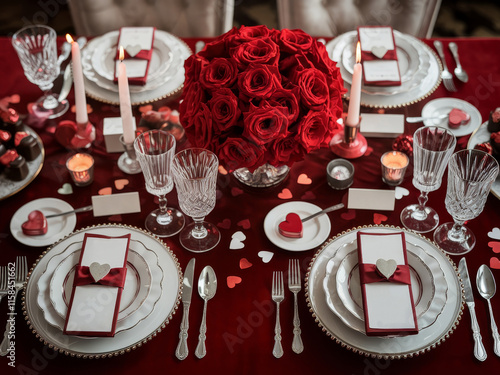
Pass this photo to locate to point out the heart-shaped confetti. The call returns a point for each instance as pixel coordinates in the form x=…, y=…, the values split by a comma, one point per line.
x=89, y=108
x=266, y=256
x=495, y=263
x=495, y=234
x=133, y=50
x=379, y=51
x=237, y=241
x=401, y=192
x=349, y=215
x=225, y=224
x=66, y=189
x=236, y=191
x=121, y=183
x=386, y=267
x=145, y=108
x=304, y=179
x=233, y=280
x=379, y=218
x=245, y=224
x=222, y=170
x=308, y=195
x=36, y=224
x=244, y=263
x=495, y=246
x=105, y=191
x=98, y=271
x=285, y=194
x=291, y=227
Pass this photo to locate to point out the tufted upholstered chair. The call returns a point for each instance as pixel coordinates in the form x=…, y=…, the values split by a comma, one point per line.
x=184, y=18
x=334, y=17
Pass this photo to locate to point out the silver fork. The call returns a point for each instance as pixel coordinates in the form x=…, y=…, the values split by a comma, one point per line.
x=446, y=76
x=21, y=273
x=3, y=282
x=294, y=286
x=278, y=295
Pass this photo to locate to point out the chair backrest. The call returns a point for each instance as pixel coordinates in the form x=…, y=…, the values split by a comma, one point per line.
x=184, y=18
x=334, y=17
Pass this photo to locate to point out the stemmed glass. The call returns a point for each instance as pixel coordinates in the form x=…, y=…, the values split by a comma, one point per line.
x=432, y=148
x=470, y=176
x=195, y=175
x=154, y=150
x=36, y=47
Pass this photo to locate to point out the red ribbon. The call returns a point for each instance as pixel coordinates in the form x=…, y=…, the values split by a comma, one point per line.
x=369, y=273
x=115, y=277
x=389, y=55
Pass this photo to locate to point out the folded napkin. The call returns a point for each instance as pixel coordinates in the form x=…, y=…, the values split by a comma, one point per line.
x=386, y=284
x=137, y=43
x=379, y=56
x=97, y=286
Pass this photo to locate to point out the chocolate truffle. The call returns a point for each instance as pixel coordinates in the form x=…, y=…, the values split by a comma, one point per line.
x=28, y=147
x=17, y=170
x=494, y=121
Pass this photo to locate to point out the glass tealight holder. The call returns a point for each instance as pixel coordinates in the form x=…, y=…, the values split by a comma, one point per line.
x=394, y=164
x=340, y=174
x=81, y=169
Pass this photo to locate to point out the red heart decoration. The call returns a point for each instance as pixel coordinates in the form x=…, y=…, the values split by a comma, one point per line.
x=105, y=191
x=379, y=218
x=236, y=191
x=285, y=194
x=226, y=224
x=120, y=184
x=245, y=224
x=291, y=227
x=145, y=108
x=244, y=263
x=458, y=117
x=308, y=195
x=495, y=246
x=349, y=215
x=304, y=179
x=222, y=170
x=495, y=263
x=233, y=280
x=36, y=224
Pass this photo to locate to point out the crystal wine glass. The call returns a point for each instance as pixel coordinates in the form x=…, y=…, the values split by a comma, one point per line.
x=36, y=47
x=432, y=148
x=154, y=150
x=470, y=176
x=195, y=175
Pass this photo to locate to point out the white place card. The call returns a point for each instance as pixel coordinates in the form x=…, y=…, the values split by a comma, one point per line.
x=135, y=40
x=377, y=125
x=371, y=199
x=116, y=204
x=376, y=37
x=381, y=70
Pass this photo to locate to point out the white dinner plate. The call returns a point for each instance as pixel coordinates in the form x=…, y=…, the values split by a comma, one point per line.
x=442, y=106
x=315, y=231
x=57, y=227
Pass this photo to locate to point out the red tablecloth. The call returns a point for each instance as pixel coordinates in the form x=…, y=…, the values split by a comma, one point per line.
x=241, y=319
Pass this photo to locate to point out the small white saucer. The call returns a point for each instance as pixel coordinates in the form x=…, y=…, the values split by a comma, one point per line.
x=58, y=227
x=441, y=106
x=315, y=231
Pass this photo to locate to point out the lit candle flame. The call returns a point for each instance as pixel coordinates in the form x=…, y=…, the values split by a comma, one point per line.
x=69, y=38
x=358, y=53
x=122, y=54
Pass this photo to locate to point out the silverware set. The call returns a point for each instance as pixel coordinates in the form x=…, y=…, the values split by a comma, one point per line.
x=446, y=75
x=278, y=295
x=486, y=286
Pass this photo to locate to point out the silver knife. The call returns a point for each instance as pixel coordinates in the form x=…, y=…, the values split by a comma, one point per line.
x=67, y=83
x=479, y=351
x=187, y=290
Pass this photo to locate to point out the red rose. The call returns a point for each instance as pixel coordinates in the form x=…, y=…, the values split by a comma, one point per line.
x=193, y=67
x=192, y=97
x=202, y=127
x=315, y=130
x=292, y=41
x=265, y=123
x=288, y=99
x=220, y=72
x=286, y=150
x=237, y=153
x=313, y=88
x=224, y=108
x=258, y=81
x=251, y=32
x=256, y=51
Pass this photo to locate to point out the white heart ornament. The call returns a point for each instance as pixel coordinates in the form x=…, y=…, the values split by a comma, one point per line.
x=266, y=256
x=133, y=50
x=379, y=51
x=401, y=192
x=495, y=234
x=237, y=240
x=386, y=267
x=98, y=271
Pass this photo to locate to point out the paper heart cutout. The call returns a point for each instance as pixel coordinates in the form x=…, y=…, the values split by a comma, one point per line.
x=379, y=51
x=245, y=224
x=386, y=267
x=98, y=271
x=222, y=170
x=105, y=191
x=457, y=117
x=349, y=215
x=495, y=246
x=285, y=194
x=379, y=218
x=133, y=50
x=495, y=263
x=495, y=234
x=244, y=263
x=291, y=227
x=237, y=241
x=225, y=224
x=66, y=189
x=304, y=179
x=120, y=184
x=266, y=256
x=36, y=224
x=401, y=192
x=233, y=280
x=236, y=191
x=145, y=108
x=308, y=195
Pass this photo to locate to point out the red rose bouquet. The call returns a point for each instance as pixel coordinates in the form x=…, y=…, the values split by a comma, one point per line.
x=256, y=96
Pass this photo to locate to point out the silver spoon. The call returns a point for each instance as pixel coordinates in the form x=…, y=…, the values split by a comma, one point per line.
x=326, y=210
x=487, y=287
x=459, y=72
x=412, y=120
x=207, y=286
